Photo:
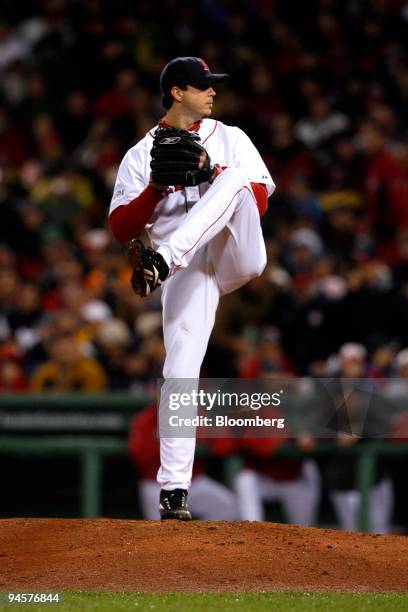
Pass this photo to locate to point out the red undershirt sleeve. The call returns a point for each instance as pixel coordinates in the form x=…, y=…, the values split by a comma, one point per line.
x=128, y=220
x=261, y=196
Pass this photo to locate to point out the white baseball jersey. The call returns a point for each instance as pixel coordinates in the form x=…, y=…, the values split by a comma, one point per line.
x=226, y=146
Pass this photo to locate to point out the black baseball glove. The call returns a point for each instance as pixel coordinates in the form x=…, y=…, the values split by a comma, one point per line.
x=178, y=158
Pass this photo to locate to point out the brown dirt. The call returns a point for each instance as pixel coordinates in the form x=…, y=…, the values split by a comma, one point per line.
x=151, y=556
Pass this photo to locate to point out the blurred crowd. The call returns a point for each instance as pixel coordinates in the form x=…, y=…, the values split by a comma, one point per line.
x=322, y=90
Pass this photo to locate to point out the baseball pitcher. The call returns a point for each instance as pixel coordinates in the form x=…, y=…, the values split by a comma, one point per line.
x=198, y=187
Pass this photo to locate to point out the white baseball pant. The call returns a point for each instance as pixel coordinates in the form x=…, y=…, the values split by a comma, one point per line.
x=347, y=507
x=299, y=498
x=217, y=249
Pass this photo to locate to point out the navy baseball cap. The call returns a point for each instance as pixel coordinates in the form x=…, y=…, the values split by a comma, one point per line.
x=183, y=71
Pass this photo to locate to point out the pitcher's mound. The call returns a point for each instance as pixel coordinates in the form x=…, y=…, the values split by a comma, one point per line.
x=102, y=554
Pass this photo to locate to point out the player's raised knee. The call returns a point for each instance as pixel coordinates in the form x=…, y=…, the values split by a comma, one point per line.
x=261, y=265
x=255, y=268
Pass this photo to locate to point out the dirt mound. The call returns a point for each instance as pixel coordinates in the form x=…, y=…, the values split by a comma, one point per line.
x=107, y=554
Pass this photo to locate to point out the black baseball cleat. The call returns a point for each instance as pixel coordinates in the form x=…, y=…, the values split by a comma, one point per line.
x=149, y=268
x=173, y=505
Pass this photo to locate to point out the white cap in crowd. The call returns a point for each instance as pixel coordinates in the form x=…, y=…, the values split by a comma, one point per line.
x=352, y=350
x=401, y=359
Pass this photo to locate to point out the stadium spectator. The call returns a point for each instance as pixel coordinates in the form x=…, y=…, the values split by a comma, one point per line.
x=12, y=376
x=294, y=483
x=354, y=421
x=385, y=189
x=112, y=340
x=68, y=370
x=321, y=125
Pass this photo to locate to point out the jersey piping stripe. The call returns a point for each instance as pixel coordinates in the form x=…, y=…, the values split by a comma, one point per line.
x=210, y=226
x=209, y=135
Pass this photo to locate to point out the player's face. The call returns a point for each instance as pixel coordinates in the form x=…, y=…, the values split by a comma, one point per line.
x=198, y=101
